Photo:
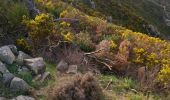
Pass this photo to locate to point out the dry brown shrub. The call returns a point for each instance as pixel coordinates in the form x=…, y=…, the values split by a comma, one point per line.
x=78, y=87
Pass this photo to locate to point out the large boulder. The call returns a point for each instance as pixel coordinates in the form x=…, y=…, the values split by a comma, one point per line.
x=21, y=97
x=37, y=65
x=3, y=68
x=62, y=66
x=7, y=78
x=18, y=84
x=3, y=98
x=13, y=49
x=6, y=55
x=21, y=57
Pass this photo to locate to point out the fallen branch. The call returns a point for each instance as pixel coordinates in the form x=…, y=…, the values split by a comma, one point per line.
x=111, y=80
x=90, y=53
x=66, y=19
x=107, y=65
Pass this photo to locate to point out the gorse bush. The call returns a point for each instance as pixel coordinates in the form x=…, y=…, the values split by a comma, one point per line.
x=139, y=49
x=41, y=28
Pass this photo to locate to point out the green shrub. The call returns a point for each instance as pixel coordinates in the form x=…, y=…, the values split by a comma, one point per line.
x=11, y=14
x=83, y=40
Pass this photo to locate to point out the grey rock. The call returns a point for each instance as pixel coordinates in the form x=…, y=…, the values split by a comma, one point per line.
x=45, y=76
x=21, y=97
x=110, y=19
x=36, y=65
x=21, y=57
x=62, y=66
x=23, y=69
x=31, y=7
x=13, y=49
x=6, y=55
x=2, y=98
x=3, y=68
x=73, y=69
x=93, y=5
x=18, y=84
x=7, y=78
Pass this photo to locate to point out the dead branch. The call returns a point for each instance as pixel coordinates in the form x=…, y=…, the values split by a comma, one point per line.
x=90, y=53
x=111, y=80
x=104, y=63
x=66, y=19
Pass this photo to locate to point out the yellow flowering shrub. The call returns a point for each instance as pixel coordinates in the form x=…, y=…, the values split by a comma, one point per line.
x=68, y=36
x=113, y=45
x=40, y=28
x=139, y=55
x=151, y=60
x=63, y=13
x=23, y=44
x=164, y=74
x=46, y=4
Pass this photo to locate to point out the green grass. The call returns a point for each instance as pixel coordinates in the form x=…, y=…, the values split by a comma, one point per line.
x=124, y=88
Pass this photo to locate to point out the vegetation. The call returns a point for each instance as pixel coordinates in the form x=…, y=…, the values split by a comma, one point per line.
x=122, y=53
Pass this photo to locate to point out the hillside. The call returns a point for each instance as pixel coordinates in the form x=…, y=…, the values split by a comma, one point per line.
x=124, y=12
x=67, y=50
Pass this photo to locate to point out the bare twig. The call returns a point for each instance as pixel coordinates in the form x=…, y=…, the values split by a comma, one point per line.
x=107, y=65
x=66, y=19
x=111, y=80
x=90, y=53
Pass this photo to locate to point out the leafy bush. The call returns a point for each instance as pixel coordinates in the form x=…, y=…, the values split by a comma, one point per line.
x=40, y=29
x=84, y=41
x=11, y=14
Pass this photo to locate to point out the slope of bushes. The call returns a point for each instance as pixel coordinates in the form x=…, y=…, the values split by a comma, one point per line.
x=132, y=14
x=153, y=53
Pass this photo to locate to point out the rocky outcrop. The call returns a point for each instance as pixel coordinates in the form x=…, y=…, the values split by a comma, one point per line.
x=10, y=56
x=6, y=55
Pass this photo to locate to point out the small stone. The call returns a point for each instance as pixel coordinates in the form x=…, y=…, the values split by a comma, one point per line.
x=45, y=76
x=7, y=78
x=72, y=69
x=6, y=55
x=21, y=97
x=62, y=66
x=37, y=65
x=18, y=84
x=21, y=57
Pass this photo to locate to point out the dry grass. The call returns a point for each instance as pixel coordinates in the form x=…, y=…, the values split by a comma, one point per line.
x=78, y=87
